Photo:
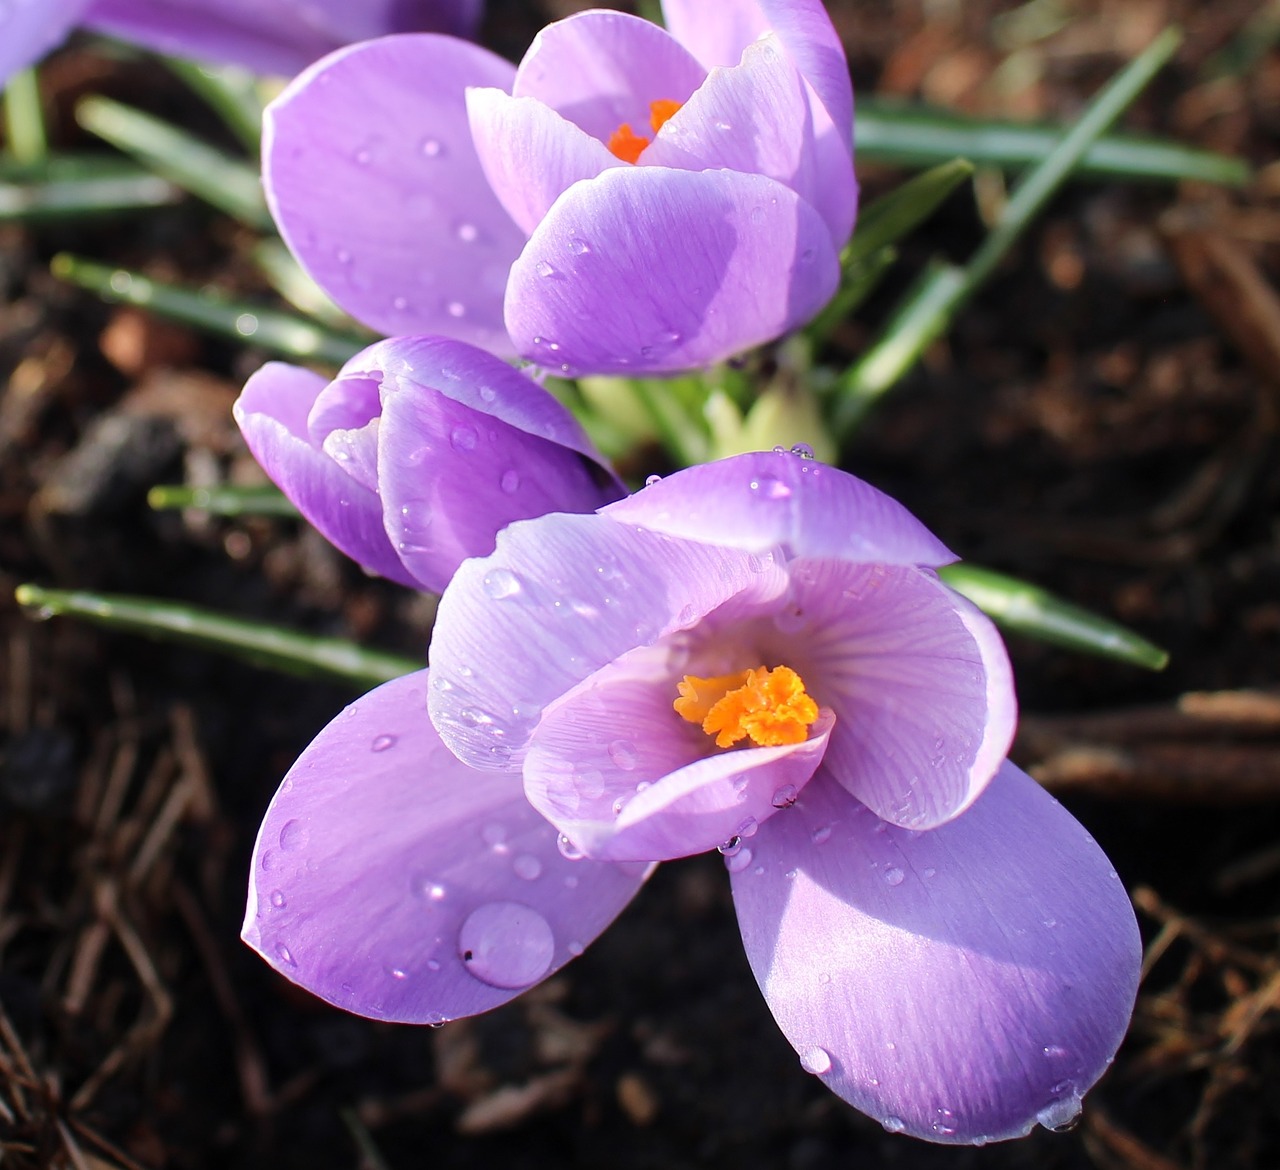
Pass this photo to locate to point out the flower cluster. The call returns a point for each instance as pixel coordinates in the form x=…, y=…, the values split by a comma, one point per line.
x=628, y=199
x=755, y=656
x=272, y=36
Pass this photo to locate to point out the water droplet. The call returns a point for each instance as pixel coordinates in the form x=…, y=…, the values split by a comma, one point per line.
x=501, y=583
x=731, y=846
x=575, y=948
x=815, y=1060
x=749, y=828
x=820, y=834
x=463, y=438
x=770, y=487
x=650, y=480
x=506, y=944
x=894, y=1124
x=785, y=797
x=578, y=247
x=929, y=872
x=510, y=481
x=1061, y=1115
x=456, y=309
x=623, y=754
x=468, y=233
x=426, y=888
x=568, y=850
x=384, y=742
x=285, y=955
x=294, y=835
x=803, y=450
x=432, y=148
x=397, y=973
x=544, y=269
x=758, y=215
x=739, y=861
x=894, y=876
x=1055, y=1051
x=279, y=902
x=527, y=867
x=495, y=836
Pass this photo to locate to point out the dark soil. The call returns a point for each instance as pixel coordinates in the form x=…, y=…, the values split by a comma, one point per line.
x=1102, y=421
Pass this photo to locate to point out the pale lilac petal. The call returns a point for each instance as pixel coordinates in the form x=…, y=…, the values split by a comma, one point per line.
x=451, y=476
x=344, y=424
x=602, y=69
x=718, y=33
x=764, y=500
x=531, y=154
x=624, y=777
x=957, y=985
x=272, y=415
x=650, y=269
x=28, y=31
x=753, y=118
x=918, y=678
x=561, y=597
x=476, y=379
x=395, y=882
x=282, y=36
x=715, y=33
x=371, y=174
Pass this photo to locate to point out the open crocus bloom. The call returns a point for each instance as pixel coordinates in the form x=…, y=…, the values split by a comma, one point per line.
x=270, y=36
x=627, y=199
x=757, y=656
x=418, y=453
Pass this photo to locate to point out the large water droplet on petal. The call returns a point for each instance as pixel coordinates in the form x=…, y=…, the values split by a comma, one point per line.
x=294, y=835
x=501, y=583
x=384, y=743
x=815, y=1060
x=506, y=944
x=1061, y=1115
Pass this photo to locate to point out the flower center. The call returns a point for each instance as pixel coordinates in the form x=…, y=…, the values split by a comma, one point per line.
x=768, y=707
x=627, y=144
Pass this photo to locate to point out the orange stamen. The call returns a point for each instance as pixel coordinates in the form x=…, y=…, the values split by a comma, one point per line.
x=660, y=111
x=627, y=144
x=768, y=707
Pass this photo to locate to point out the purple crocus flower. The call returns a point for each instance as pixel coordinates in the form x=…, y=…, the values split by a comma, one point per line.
x=270, y=36
x=754, y=655
x=418, y=453
x=628, y=199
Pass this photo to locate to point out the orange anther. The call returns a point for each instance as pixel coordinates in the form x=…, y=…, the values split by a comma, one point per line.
x=768, y=707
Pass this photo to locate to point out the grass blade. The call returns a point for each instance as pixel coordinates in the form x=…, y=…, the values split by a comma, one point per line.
x=62, y=186
x=280, y=333
x=1027, y=609
x=912, y=136
x=267, y=646
x=224, y=500
x=931, y=304
x=227, y=183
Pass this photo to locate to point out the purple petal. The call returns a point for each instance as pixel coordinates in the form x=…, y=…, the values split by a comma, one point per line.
x=530, y=154
x=272, y=415
x=918, y=678
x=452, y=471
x=752, y=118
x=957, y=985
x=282, y=36
x=397, y=883
x=624, y=777
x=344, y=424
x=28, y=31
x=561, y=597
x=717, y=34
x=762, y=500
x=650, y=269
x=371, y=174
x=602, y=69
